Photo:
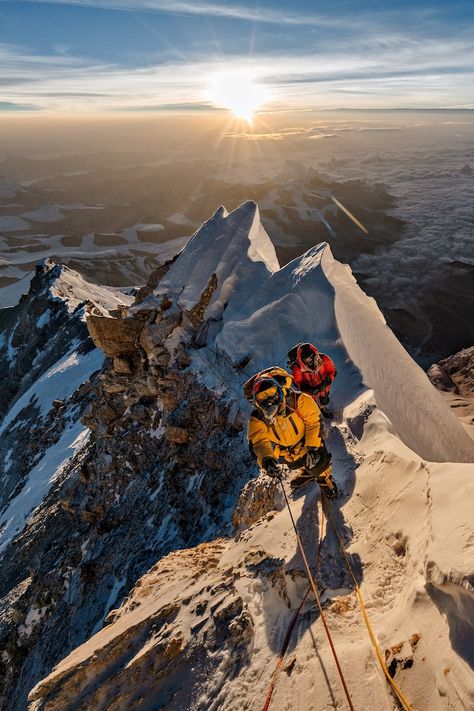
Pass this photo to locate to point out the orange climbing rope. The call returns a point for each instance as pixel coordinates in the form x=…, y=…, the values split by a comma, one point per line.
x=394, y=686
x=314, y=588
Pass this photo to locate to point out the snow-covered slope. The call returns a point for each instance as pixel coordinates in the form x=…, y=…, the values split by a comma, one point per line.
x=235, y=248
x=203, y=629
x=47, y=356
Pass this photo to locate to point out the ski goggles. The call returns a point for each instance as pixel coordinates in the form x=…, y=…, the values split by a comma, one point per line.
x=312, y=361
x=270, y=394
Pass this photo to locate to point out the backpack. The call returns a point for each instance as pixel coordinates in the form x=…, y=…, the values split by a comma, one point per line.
x=282, y=377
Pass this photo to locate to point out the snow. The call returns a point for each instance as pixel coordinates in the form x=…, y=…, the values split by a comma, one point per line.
x=11, y=295
x=39, y=481
x=33, y=616
x=45, y=213
x=144, y=227
x=58, y=383
x=404, y=508
x=9, y=223
x=11, y=351
x=315, y=298
x=178, y=218
x=74, y=289
x=44, y=319
x=233, y=246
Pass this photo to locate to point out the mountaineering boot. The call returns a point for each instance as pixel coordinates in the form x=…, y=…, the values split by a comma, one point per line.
x=301, y=479
x=327, y=484
x=317, y=465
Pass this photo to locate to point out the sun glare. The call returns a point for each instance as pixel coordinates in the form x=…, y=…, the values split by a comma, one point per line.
x=238, y=92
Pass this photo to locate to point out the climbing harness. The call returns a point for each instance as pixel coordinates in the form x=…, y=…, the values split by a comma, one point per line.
x=314, y=588
x=327, y=509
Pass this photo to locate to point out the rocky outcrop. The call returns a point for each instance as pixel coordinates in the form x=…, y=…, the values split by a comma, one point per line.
x=115, y=336
x=258, y=497
x=454, y=378
x=153, y=280
x=149, y=480
x=455, y=373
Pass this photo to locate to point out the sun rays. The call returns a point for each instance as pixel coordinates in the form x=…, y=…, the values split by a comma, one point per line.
x=238, y=92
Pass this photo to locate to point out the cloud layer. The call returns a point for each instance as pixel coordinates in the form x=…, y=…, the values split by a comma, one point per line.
x=316, y=60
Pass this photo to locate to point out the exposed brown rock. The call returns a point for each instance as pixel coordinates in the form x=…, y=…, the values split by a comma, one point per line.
x=257, y=498
x=154, y=334
x=115, y=336
x=122, y=365
x=196, y=314
x=153, y=280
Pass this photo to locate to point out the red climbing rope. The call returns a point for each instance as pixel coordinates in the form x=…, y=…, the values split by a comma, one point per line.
x=289, y=631
x=314, y=588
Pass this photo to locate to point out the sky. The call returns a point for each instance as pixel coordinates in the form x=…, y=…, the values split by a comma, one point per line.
x=107, y=56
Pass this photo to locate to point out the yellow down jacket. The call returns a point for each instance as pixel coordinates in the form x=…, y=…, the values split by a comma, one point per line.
x=290, y=434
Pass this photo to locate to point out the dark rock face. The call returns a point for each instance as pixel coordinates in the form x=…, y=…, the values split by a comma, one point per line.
x=35, y=333
x=455, y=373
x=149, y=480
x=454, y=378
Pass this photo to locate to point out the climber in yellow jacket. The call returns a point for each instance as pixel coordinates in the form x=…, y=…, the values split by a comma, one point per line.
x=285, y=428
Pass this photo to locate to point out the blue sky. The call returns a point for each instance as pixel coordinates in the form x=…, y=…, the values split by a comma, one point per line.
x=79, y=56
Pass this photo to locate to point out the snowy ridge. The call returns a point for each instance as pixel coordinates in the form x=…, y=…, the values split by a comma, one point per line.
x=236, y=248
x=315, y=298
x=73, y=289
x=202, y=629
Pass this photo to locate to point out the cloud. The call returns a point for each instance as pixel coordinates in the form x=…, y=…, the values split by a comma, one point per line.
x=9, y=106
x=210, y=9
x=380, y=71
x=179, y=107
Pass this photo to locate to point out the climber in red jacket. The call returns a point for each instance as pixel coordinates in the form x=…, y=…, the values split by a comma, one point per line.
x=313, y=373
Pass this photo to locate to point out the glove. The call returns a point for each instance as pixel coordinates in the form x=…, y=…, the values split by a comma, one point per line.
x=271, y=468
x=312, y=457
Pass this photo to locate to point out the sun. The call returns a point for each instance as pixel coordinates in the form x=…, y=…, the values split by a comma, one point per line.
x=238, y=92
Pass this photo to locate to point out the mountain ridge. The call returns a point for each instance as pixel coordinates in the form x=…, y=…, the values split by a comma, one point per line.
x=164, y=468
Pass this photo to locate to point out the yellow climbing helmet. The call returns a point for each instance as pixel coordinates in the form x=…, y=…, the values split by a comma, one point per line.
x=282, y=377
